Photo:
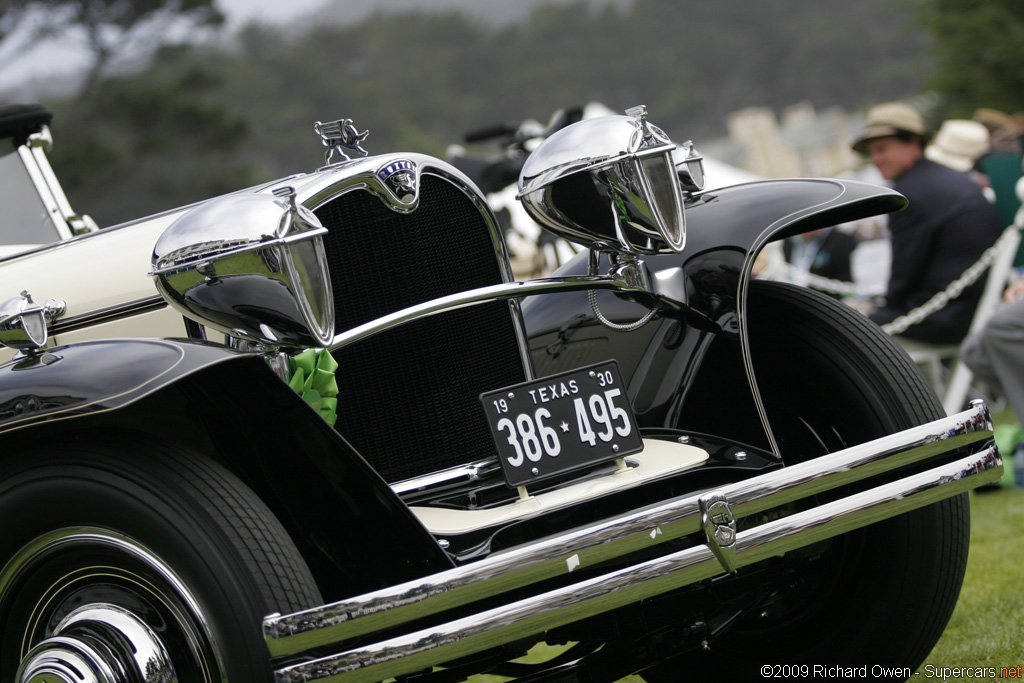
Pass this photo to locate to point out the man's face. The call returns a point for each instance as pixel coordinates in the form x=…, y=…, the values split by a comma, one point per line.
x=893, y=156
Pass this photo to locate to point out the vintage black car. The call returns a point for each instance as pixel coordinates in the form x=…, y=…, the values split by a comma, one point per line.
x=313, y=431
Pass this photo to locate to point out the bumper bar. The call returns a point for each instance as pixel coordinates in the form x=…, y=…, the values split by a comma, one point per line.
x=560, y=555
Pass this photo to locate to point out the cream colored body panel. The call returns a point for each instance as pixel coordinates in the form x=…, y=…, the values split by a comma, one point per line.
x=87, y=273
x=93, y=273
x=658, y=459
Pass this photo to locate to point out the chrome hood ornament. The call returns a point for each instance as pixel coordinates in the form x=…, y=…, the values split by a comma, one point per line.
x=337, y=136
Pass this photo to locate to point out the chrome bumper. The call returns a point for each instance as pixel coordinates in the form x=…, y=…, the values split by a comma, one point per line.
x=714, y=512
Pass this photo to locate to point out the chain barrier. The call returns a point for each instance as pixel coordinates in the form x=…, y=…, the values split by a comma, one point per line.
x=822, y=284
x=898, y=325
x=955, y=288
x=936, y=303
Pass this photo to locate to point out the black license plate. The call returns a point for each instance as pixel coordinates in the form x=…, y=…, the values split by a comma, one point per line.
x=561, y=423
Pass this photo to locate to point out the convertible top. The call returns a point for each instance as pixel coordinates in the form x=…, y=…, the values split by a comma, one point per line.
x=18, y=121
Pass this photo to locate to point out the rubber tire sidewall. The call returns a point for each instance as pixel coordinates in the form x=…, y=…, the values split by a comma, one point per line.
x=145, y=497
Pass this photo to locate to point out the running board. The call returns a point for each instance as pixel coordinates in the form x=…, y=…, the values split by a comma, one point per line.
x=713, y=512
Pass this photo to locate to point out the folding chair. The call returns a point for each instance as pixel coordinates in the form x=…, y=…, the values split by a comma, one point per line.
x=932, y=357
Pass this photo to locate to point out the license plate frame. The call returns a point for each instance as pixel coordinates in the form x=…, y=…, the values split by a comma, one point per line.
x=564, y=422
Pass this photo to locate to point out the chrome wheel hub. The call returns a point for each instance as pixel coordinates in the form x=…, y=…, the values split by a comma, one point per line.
x=91, y=605
x=98, y=643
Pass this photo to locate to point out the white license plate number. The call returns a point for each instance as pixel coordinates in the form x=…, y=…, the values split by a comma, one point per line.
x=561, y=423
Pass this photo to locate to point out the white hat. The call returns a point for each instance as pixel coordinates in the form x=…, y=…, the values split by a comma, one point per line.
x=958, y=144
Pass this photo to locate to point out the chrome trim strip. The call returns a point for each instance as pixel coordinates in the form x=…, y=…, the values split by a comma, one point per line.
x=533, y=615
x=106, y=315
x=471, y=471
x=480, y=295
x=587, y=546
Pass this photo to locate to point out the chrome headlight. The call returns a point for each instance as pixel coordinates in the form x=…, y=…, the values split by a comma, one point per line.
x=251, y=266
x=611, y=182
x=690, y=168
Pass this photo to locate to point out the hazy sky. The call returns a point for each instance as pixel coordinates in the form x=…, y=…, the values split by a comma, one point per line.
x=241, y=11
x=55, y=59
x=29, y=71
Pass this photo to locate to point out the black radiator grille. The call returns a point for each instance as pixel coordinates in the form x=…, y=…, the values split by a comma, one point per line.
x=408, y=398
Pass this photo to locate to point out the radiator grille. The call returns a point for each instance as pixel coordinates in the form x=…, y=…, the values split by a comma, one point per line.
x=408, y=398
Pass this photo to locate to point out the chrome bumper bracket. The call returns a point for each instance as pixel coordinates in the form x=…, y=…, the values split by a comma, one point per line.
x=719, y=524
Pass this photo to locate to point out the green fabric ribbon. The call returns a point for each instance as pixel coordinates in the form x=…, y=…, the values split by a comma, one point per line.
x=312, y=377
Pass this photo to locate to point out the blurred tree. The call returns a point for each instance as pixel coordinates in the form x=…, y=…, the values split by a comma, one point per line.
x=203, y=118
x=152, y=141
x=977, y=52
x=112, y=28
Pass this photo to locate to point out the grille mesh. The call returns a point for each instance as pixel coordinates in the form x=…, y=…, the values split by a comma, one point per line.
x=409, y=396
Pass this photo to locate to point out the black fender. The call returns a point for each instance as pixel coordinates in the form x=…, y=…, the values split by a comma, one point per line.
x=668, y=361
x=231, y=406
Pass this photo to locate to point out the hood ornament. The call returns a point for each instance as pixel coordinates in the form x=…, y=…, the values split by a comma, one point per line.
x=338, y=136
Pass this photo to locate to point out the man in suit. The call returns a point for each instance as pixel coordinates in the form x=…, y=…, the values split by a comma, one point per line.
x=944, y=230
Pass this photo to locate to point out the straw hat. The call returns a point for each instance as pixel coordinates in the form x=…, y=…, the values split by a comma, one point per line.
x=890, y=118
x=993, y=119
x=958, y=144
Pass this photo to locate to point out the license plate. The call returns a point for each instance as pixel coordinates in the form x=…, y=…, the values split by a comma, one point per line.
x=561, y=423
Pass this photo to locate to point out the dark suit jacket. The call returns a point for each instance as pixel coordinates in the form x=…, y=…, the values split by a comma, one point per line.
x=944, y=230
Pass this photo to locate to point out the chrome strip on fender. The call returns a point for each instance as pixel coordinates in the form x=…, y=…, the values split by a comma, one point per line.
x=106, y=315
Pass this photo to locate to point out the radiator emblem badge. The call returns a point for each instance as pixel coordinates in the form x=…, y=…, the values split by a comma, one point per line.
x=719, y=525
x=399, y=177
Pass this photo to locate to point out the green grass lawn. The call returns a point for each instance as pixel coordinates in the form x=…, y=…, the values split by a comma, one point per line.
x=987, y=627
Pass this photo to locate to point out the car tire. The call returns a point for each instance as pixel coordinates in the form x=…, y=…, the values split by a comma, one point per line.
x=145, y=543
x=880, y=596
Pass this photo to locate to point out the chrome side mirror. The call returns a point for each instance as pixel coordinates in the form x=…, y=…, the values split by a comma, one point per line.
x=252, y=266
x=23, y=322
x=611, y=182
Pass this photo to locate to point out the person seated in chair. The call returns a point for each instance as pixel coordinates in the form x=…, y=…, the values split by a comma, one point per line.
x=945, y=229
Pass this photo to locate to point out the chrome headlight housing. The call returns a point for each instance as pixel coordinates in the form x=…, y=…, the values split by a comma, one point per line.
x=251, y=266
x=611, y=182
